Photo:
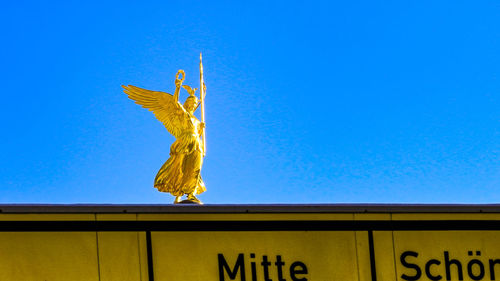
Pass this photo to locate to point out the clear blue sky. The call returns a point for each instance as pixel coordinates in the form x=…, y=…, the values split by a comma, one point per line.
x=307, y=102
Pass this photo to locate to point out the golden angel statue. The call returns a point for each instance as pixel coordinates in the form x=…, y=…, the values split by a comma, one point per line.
x=180, y=175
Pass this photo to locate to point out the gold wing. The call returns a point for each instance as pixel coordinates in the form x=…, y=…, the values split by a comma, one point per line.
x=165, y=108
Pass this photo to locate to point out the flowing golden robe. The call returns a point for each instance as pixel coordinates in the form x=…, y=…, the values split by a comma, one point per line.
x=181, y=173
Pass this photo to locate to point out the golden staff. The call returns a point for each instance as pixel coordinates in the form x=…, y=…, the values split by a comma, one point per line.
x=202, y=98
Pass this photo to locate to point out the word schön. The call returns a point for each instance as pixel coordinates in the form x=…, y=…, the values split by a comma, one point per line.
x=476, y=268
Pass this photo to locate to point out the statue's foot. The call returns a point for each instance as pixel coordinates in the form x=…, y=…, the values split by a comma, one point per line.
x=193, y=199
x=177, y=199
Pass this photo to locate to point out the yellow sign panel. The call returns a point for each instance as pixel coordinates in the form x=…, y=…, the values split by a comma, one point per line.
x=255, y=255
x=48, y=256
x=265, y=246
x=122, y=256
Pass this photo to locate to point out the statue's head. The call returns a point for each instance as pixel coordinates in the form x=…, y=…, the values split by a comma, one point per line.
x=192, y=101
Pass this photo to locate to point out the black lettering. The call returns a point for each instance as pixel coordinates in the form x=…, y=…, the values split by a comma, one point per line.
x=418, y=271
x=492, y=268
x=471, y=272
x=253, y=267
x=448, y=263
x=265, y=264
x=294, y=271
x=280, y=265
x=428, y=270
x=240, y=265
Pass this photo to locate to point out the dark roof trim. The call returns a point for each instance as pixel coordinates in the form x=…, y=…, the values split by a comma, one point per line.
x=257, y=208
